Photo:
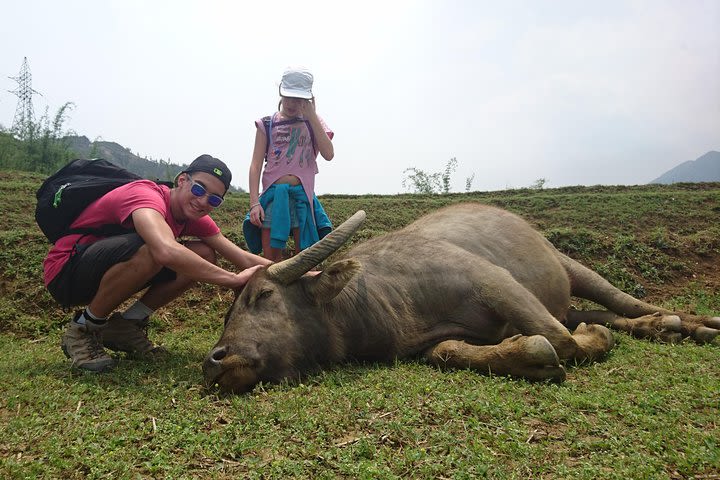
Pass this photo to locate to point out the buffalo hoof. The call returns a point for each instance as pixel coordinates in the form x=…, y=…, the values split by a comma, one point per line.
x=713, y=322
x=546, y=362
x=659, y=327
x=593, y=342
x=703, y=335
x=671, y=323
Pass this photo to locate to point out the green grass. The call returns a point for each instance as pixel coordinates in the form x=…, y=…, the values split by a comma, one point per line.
x=648, y=411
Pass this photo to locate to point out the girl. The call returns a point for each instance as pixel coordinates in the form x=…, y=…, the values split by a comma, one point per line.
x=287, y=143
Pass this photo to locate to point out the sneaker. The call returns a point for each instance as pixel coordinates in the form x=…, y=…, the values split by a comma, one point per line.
x=83, y=345
x=130, y=336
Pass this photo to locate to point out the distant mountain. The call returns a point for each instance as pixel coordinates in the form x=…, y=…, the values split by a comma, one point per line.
x=704, y=169
x=123, y=157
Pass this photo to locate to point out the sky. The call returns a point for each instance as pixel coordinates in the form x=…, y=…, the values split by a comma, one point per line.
x=612, y=92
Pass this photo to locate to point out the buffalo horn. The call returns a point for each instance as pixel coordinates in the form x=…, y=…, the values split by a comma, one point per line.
x=295, y=267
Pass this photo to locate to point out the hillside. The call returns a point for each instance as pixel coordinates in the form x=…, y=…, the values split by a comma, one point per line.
x=652, y=241
x=704, y=169
x=122, y=156
x=648, y=410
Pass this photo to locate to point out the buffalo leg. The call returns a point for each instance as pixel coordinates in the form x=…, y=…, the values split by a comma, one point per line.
x=663, y=328
x=591, y=286
x=532, y=358
x=527, y=315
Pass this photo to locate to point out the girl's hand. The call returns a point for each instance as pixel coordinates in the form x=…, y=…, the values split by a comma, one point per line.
x=257, y=215
x=308, y=107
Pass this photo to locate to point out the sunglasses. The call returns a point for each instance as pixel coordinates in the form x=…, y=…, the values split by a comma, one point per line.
x=199, y=190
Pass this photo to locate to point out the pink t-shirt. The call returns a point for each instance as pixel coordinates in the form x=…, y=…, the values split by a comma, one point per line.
x=115, y=208
x=291, y=153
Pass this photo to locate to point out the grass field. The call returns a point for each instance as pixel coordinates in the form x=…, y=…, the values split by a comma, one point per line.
x=647, y=411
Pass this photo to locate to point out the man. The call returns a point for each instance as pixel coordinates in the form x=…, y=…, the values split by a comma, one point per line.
x=102, y=273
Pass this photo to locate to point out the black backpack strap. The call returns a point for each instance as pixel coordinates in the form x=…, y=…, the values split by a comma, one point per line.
x=103, y=231
x=312, y=136
x=110, y=229
x=267, y=123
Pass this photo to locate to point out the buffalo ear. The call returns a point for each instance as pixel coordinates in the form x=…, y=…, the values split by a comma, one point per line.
x=324, y=287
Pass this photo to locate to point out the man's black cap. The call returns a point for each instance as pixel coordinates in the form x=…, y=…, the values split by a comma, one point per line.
x=215, y=167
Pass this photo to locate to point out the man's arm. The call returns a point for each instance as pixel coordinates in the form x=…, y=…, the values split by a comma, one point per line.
x=236, y=255
x=166, y=251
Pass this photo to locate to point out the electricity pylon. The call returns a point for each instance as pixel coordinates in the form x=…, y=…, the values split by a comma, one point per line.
x=24, y=115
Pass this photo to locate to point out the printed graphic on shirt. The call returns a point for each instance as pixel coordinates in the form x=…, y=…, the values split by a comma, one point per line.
x=291, y=140
x=308, y=154
x=293, y=144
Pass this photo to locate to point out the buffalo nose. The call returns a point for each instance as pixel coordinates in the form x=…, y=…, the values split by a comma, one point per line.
x=217, y=355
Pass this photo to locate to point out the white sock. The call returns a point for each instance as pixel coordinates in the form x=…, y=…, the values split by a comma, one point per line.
x=137, y=311
x=88, y=316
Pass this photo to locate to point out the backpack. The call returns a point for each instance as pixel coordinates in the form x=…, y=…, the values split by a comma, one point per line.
x=66, y=193
x=269, y=124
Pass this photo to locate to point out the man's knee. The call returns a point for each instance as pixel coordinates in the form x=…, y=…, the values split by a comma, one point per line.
x=204, y=250
x=144, y=260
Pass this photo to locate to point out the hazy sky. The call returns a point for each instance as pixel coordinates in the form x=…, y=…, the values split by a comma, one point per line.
x=575, y=92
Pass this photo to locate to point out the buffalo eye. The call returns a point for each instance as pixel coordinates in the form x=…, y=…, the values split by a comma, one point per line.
x=264, y=293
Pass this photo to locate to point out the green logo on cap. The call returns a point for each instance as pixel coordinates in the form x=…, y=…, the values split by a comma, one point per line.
x=218, y=172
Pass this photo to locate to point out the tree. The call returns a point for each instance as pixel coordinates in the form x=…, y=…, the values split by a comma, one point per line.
x=431, y=183
x=449, y=169
x=468, y=182
x=420, y=181
x=538, y=184
x=45, y=147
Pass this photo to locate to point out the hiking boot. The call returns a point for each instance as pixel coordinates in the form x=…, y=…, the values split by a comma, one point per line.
x=130, y=336
x=83, y=345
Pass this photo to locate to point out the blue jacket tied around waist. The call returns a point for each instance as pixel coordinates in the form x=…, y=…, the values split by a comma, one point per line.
x=312, y=227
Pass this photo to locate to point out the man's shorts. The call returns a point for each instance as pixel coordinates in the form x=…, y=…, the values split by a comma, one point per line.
x=78, y=281
x=267, y=222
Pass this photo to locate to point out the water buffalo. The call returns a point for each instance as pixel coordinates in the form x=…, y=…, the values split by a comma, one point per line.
x=468, y=286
